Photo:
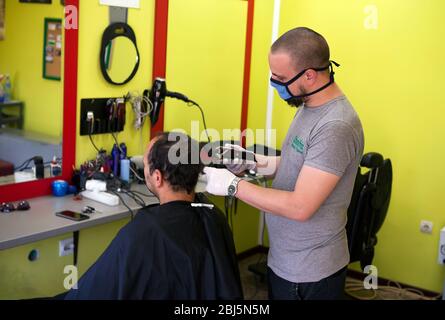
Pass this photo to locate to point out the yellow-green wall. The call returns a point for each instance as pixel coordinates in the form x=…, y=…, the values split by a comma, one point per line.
x=205, y=59
x=44, y=277
x=94, y=18
x=393, y=77
x=21, y=56
x=259, y=81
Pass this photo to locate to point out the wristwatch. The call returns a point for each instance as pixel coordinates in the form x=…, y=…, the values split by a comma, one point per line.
x=233, y=187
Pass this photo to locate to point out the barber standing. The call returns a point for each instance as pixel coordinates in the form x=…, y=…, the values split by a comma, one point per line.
x=306, y=208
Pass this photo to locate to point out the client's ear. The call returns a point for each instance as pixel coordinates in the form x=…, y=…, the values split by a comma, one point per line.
x=158, y=178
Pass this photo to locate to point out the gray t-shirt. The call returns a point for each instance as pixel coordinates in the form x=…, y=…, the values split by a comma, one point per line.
x=329, y=138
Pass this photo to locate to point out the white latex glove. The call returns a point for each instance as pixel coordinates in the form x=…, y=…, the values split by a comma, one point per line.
x=218, y=181
x=238, y=165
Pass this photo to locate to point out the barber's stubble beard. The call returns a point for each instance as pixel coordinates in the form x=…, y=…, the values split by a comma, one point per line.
x=297, y=102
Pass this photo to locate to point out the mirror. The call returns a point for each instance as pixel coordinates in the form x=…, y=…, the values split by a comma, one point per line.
x=31, y=104
x=119, y=56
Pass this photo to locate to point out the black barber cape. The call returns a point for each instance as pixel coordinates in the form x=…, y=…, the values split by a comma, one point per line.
x=170, y=251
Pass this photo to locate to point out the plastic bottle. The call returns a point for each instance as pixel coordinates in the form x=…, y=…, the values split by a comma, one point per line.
x=123, y=150
x=124, y=163
x=2, y=91
x=115, y=155
x=7, y=88
x=56, y=169
x=125, y=170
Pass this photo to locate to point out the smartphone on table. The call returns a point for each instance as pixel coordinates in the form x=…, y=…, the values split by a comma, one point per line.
x=75, y=216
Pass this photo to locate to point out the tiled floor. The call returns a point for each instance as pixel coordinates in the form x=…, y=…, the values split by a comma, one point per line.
x=253, y=287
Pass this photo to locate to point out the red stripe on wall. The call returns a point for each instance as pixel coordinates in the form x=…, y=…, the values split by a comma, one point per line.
x=160, y=58
x=160, y=52
x=18, y=191
x=247, y=64
x=70, y=97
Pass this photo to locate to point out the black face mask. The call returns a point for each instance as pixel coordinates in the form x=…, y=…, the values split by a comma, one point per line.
x=283, y=87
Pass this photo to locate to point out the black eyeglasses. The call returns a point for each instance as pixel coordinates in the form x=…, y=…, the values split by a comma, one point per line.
x=7, y=207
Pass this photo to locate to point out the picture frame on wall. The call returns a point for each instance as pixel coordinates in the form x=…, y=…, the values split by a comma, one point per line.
x=36, y=1
x=2, y=19
x=52, y=49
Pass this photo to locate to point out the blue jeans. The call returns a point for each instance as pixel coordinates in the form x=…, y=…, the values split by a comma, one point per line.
x=329, y=288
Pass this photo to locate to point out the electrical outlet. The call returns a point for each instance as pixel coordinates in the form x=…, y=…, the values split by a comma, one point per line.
x=66, y=247
x=426, y=226
x=442, y=246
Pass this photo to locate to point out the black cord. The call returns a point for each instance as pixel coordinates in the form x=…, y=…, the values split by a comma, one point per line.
x=143, y=194
x=124, y=203
x=139, y=194
x=136, y=175
x=118, y=146
x=226, y=209
x=138, y=197
x=113, y=134
x=45, y=165
x=193, y=103
x=24, y=164
x=232, y=213
x=135, y=197
x=92, y=142
x=231, y=217
x=121, y=151
x=115, y=140
x=229, y=207
x=91, y=122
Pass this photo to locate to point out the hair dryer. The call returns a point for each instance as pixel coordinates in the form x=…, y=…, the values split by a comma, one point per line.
x=157, y=96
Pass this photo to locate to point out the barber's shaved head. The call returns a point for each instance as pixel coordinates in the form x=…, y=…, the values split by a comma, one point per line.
x=306, y=48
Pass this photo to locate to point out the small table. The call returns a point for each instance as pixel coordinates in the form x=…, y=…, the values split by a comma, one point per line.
x=17, y=119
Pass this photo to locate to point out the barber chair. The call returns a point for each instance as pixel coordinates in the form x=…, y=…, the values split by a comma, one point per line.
x=368, y=207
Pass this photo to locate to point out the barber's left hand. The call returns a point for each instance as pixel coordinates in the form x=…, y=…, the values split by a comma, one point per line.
x=218, y=181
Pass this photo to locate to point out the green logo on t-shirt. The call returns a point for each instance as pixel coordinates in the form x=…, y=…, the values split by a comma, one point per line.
x=297, y=144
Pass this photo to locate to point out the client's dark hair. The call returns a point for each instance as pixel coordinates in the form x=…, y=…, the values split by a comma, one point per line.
x=176, y=156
